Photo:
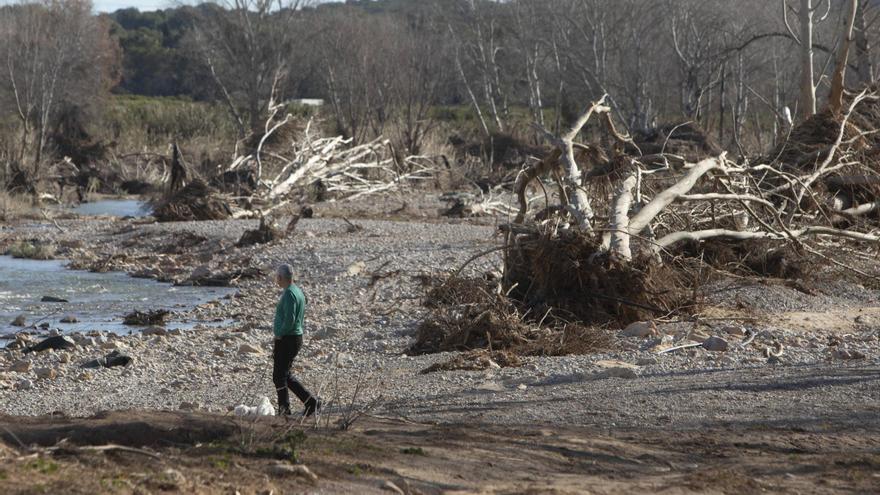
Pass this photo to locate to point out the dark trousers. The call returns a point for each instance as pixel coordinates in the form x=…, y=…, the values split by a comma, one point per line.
x=286, y=349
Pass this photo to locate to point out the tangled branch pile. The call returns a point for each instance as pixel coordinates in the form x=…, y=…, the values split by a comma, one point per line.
x=640, y=207
x=631, y=232
x=196, y=201
x=468, y=315
x=331, y=165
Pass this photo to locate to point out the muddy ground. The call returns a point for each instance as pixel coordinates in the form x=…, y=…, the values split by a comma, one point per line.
x=621, y=420
x=197, y=453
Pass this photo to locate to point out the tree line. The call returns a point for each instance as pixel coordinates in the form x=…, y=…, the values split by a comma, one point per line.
x=399, y=68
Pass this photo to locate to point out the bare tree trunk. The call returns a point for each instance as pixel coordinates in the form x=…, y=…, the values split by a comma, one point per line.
x=863, y=48
x=807, y=101
x=835, y=100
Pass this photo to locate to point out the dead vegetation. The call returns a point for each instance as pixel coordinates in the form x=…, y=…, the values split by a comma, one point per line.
x=634, y=235
x=477, y=361
x=469, y=315
x=195, y=201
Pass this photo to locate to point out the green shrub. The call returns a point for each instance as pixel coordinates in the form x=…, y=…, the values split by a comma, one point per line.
x=31, y=250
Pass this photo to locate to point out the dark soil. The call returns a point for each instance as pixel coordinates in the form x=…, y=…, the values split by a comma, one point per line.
x=197, y=453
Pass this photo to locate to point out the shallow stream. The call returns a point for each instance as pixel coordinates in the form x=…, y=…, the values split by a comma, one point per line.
x=113, y=208
x=98, y=301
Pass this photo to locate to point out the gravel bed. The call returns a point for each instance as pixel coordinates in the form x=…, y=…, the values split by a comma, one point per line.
x=359, y=327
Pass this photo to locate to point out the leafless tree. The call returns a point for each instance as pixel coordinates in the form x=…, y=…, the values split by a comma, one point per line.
x=806, y=16
x=247, y=46
x=54, y=52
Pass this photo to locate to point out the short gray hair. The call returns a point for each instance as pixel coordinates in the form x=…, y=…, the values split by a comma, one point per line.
x=285, y=271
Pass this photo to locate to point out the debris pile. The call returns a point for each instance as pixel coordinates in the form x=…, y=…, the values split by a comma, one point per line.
x=196, y=201
x=469, y=315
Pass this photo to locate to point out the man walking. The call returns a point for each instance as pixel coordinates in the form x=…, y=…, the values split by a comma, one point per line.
x=288, y=327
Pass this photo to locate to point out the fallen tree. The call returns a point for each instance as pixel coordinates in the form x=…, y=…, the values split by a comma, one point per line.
x=334, y=165
x=611, y=248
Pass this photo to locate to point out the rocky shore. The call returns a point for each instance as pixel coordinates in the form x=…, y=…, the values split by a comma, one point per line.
x=762, y=352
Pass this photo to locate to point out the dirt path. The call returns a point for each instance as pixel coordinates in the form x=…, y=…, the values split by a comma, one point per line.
x=194, y=453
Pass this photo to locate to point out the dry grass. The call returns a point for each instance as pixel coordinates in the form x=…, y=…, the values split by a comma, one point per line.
x=17, y=207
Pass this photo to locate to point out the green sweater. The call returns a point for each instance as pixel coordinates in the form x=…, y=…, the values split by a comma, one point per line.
x=290, y=312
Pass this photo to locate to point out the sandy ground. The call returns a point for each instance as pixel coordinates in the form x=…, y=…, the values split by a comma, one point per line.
x=690, y=421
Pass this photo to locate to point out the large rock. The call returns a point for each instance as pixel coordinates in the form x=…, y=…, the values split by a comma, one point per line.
x=249, y=349
x=46, y=373
x=19, y=321
x=640, y=329
x=53, y=299
x=111, y=360
x=154, y=331
x=715, y=344
x=21, y=366
x=736, y=331
x=58, y=343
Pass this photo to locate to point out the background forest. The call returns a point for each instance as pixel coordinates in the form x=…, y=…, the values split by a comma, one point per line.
x=430, y=76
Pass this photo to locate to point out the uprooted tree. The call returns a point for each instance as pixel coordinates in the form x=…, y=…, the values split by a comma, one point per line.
x=606, y=251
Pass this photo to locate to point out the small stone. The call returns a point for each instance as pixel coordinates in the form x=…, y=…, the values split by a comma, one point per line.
x=24, y=384
x=175, y=477
x=249, y=349
x=175, y=332
x=69, y=319
x=219, y=353
x=64, y=358
x=356, y=268
x=864, y=320
x=154, y=331
x=297, y=470
x=640, y=329
x=649, y=361
x=19, y=321
x=46, y=373
x=715, y=344
x=188, y=406
x=21, y=366
x=85, y=376
x=109, y=345
x=391, y=487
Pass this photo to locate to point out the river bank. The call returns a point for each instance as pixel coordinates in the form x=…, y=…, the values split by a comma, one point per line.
x=365, y=287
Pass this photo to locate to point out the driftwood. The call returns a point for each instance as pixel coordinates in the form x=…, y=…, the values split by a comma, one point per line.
x=341, y=168
x=744, y=201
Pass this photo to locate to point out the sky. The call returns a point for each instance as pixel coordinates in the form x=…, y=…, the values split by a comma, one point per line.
x=112, y=5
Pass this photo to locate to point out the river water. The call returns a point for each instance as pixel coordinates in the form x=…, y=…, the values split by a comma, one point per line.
x=99, y=301
x=113, y=208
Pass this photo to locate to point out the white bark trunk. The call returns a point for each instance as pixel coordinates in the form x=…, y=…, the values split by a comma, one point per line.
x=668, y=196
x=620, y=235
